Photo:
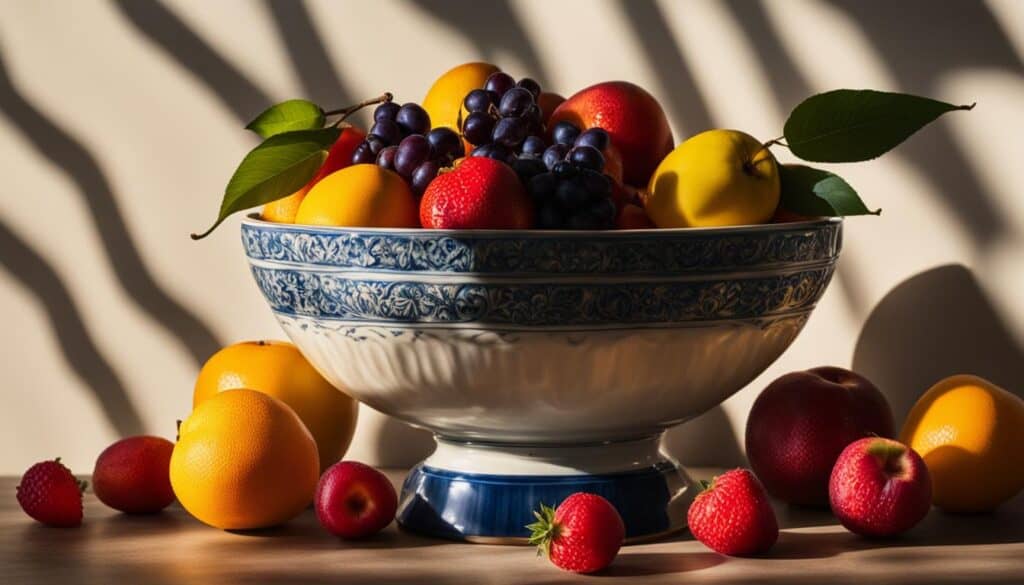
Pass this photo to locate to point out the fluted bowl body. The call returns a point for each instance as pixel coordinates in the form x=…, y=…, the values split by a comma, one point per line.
x=542, y=337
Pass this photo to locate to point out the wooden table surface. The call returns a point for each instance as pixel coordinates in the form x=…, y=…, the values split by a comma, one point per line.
x=172, y=547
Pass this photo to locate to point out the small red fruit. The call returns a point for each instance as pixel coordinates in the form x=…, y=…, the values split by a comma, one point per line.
x=879, y=487
x=802, y=421
x=632, y=217
x=50, y=494
x=480, y=193
x=583, y=535
x=354, y=500
x=733, y=516
x=133, y=475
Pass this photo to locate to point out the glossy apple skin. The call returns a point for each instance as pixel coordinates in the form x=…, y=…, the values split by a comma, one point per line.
x=800, y=424
x=879, y=487
x=354, y=500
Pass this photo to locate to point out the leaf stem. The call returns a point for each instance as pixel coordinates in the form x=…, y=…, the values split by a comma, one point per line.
x=346, y=112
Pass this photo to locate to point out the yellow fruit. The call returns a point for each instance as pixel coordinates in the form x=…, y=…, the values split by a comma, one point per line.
x=360, y=196
x=444, y=99
x=283, y=210
x=716, y=178
x=970, y=434
x=244, y=460
x=278, y=369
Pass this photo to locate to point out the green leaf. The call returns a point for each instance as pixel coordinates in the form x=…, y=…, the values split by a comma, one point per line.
x=276, y=168
x=287, y=117
x=814, y=192
x=849, y=125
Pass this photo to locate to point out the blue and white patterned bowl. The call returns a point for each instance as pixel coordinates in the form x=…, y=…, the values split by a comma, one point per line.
x=522, y=350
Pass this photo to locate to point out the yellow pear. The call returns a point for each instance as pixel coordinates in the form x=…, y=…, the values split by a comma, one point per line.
x=716, y=178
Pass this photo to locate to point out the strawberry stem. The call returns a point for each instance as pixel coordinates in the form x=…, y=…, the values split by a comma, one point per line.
x=545, y=530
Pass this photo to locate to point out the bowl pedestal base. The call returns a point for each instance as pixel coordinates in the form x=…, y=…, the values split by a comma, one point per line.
x=487, y=492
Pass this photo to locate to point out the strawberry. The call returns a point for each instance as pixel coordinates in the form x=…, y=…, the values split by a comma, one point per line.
x=480, y=193
x=583, y=535
x=50, y=494
x=732, y=516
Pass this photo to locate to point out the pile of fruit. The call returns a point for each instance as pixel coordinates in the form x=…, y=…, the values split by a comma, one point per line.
x=267, y=434
x=487, y=151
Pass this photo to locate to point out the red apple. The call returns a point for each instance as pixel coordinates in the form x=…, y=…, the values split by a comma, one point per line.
x=879, y=487
x=133, y=475
x=802, y=421
x=354, y=500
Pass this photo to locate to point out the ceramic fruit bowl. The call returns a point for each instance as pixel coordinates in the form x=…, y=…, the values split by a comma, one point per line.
x=544, y=362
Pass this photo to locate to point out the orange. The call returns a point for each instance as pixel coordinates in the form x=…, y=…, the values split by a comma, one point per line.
x=244, y=460
x=360, y=196
x=338, y=157
x=970, y=434
x=444, y=99
x=283, y=210
x=278, y=369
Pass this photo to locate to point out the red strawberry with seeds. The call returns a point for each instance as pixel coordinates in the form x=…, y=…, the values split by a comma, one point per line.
x=480, y=193
x=733, y=516
x=50, y=494
x=583, y=535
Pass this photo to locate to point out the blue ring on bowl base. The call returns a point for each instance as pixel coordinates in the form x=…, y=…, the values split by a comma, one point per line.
x=457, y=505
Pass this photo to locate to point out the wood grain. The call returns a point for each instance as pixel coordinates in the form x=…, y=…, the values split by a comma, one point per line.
x=111, y=548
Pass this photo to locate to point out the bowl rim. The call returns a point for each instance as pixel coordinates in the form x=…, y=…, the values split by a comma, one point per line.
x=254, y=220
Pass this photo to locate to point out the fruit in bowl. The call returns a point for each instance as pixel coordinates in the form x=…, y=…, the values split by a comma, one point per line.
x=466, y=327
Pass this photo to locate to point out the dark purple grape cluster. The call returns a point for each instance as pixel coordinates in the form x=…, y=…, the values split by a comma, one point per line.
x=574, y=197
x=503, y=118
x=584, y=148
x=401, y=140
x=566, y=181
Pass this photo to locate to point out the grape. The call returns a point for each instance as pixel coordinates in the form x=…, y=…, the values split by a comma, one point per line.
x=604, y=211
x=571, y=194
x=531, y=86
x=413, y=119
x=386, y=111
x=534, y=146
x=445, y=144
x=478, y=100
x=587, y=157
x=543, y=185
x=565, y=133
x=363, y=154
x=564, y=169
x=477, y=128
x=554, y=154
x=423, y=175
x=386, y=158
x=515, y=102
x=413, y=150
x=388, y=131
x=550, y=216
x=499, y=83
x=495, y=151
x=376, y=144
x=597, y=185
x=596, y=137
x=509, y=132
x=582, y=221
x=527, y=168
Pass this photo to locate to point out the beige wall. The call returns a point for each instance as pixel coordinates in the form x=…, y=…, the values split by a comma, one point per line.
x=120, y=122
